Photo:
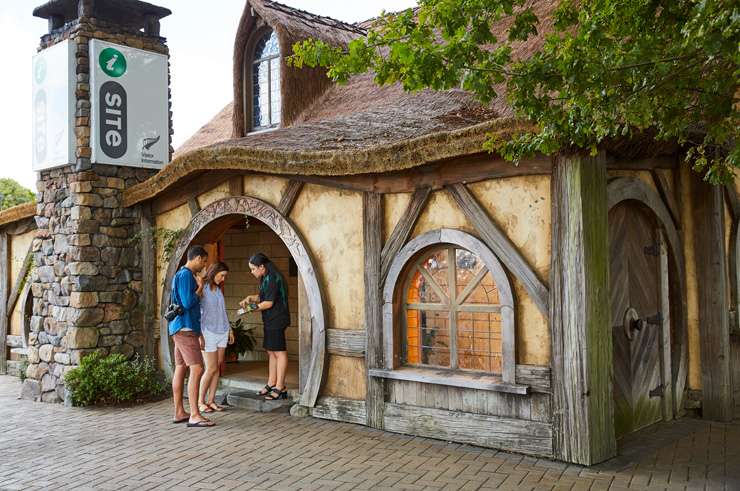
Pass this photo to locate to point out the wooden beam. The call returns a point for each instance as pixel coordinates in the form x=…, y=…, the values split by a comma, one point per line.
x=500, y=244
x=21, y=227
x=515, y=435
x=194, y=206
x=664, y=189
x=19, y=281
x=304, y=334
x=346, y=342
x=711, y=267
x=185, y=191
x=435, y=176
x=338, y=409
x=149, y=276
x=4, y=314
x=581, y=359
x=650, y=163
x=402, y=230
x=733, y=201
x=372, y=208
x=289, y=197
x=236, y=186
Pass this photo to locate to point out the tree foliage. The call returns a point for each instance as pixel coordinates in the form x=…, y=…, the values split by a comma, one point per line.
x=13, y=194
x=607, y=69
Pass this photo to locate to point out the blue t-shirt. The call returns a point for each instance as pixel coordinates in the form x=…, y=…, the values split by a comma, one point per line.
x=183, y=294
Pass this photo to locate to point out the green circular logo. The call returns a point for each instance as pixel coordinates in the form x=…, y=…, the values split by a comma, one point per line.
x=112, y=62
x=39, y=71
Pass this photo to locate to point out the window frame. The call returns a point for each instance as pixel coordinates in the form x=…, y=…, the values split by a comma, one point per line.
x=453, y=307
x=393, y=310
x=248, y=82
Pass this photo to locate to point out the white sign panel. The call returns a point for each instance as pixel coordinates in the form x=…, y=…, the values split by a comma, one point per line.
x=130, y=106
x=53, y=109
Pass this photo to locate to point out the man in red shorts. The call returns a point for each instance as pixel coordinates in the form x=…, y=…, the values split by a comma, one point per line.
x=187, y=287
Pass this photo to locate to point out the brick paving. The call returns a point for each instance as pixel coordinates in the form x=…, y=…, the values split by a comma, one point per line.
x=138, y=448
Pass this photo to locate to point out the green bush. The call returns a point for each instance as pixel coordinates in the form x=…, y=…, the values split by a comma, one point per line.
x=113, y=379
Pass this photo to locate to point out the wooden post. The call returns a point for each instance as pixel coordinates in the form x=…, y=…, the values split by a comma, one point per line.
x=304, y=335
x=714, y=324
x=149, y=276
x=665, y=333
x=372, y=209
x=4, y=314
x=583, y=415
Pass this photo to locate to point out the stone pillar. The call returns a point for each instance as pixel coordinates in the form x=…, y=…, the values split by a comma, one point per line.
x=87, y=278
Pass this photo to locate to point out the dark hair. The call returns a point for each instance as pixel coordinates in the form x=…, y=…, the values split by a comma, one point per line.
x=196, y=251
x=213, y=270
x=260, y=259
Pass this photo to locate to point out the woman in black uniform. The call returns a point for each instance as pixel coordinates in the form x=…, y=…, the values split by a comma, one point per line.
x=272, y=301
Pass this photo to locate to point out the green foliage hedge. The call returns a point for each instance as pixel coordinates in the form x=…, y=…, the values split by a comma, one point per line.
x=113, y=379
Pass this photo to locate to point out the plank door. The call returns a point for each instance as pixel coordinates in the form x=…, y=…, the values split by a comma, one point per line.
x=639, y=314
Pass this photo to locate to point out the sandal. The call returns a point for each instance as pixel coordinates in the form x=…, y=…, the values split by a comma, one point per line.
x=205, y=408
x=276, y=394
x=201, y=424
x=215, y=407
x=265, y=390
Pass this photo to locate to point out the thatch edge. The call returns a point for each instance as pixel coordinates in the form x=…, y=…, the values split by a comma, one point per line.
x=399, y=156
x=17, y=213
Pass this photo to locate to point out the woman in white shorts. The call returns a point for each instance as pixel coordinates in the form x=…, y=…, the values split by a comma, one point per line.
x=215, y=326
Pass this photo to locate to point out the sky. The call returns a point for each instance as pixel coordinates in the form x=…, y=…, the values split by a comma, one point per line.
x=201, y=44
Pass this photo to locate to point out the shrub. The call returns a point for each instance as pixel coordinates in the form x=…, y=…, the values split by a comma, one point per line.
x=113, y=379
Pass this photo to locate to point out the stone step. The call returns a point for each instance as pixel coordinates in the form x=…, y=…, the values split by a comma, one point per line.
x=249, y=400
x=229, y=385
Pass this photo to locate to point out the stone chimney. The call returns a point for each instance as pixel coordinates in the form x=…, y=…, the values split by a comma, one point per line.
x=87, y=278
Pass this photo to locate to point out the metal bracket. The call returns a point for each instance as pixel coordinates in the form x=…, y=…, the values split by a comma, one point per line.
x=652, y=250
x=659, y=391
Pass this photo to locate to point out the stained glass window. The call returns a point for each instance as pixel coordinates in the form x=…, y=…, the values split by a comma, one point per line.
x=453, y=313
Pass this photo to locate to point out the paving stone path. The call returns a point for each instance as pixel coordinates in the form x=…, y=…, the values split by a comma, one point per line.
x=138, y=448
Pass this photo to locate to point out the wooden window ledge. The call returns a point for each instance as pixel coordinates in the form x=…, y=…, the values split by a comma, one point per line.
x=450, y=378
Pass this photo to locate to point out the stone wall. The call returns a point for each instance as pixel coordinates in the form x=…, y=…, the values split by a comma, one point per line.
x=87, y=274
x=87, y=277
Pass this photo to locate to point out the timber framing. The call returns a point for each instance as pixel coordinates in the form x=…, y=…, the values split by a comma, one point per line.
x=711, y=267
x=149, y=276
x=402, y=230
x=501, y=245
x=581, y=359
x=20, y=281
x=372, y=210
x=290, y=196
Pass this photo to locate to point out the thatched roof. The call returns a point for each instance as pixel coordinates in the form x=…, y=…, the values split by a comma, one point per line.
x=216, y=130
x=17, y=213
x=355, y=128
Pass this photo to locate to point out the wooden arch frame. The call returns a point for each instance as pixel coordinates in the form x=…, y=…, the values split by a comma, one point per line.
x=394, y=280
x=294, y=242
x=633, y=189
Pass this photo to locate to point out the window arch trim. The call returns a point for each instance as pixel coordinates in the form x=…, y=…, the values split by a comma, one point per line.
x=395, y=282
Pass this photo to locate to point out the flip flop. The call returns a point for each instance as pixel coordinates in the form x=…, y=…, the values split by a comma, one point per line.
x=208, y=409
x=216, y=407
x=201, y=424
x=183, y=420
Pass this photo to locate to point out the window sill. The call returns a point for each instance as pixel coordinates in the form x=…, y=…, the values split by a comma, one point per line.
x=450, y=378
x=263, y=130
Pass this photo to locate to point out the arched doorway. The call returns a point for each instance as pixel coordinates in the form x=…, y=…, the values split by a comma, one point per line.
x=648, y=308
x=213, y=223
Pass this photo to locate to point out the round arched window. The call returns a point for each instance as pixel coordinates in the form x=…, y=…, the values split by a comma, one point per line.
x=266, y=83
x=452, y=312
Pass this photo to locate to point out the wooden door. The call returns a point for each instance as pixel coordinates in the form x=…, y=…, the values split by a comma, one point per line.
x=639, y=314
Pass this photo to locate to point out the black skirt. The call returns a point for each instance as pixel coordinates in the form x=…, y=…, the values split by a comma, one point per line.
x=274, y=339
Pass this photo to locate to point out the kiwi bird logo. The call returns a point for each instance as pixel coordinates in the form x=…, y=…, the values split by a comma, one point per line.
x=150, y=142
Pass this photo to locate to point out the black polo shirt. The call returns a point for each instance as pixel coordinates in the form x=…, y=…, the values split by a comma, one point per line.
x=274, y=289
